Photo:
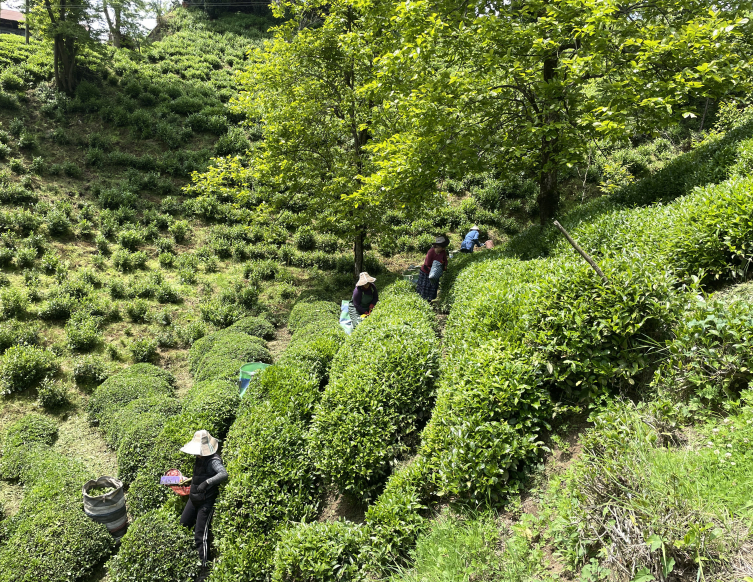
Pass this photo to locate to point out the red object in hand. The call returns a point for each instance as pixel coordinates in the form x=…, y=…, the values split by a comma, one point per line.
x=371, y=307
x=181, y=490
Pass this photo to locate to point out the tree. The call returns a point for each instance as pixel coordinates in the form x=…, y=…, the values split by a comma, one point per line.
x=310, y=90
x=524, y=86
x=122, y=19
x=68, y=24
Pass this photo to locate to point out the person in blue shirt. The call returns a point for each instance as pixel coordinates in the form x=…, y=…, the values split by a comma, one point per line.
x=470, y=241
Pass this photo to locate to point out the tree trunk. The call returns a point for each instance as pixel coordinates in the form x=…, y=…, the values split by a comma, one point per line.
x=358, y=254
x=64, y=54
x=549, y=196
x=26, y=23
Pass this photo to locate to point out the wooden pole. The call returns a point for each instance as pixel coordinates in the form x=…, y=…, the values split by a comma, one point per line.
x=583, y=253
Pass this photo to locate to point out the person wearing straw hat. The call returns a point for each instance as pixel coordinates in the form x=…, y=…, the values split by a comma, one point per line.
x=365, y=297
x=470, y=241
x=428, y=286
x=208, y=473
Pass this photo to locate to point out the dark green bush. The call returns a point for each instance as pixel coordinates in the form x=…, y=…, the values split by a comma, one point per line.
x=221, y=313
x=117, y=391
x=58, y=543
x=135, y=441
x=162, y=405
x=23, y=367
x=293, y=389
x=137, y=310
x=322, y=552
x=380, y=392
x=304, y=239
x=275, y=477
x=255, y=326
x=226, y=346
x=304, y=313
x=213, y=403
x=90, y=370
x=13, y=302
x=156, y=548
x=143, y=349
x=52, y=394
x=30, y=430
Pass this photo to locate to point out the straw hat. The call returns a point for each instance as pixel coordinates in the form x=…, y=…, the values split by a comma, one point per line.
x=474, y=227
x=441, y=240
x=202, y=443
x=364, y=278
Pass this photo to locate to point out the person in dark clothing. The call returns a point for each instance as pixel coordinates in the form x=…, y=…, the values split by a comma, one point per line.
x=208, y=473
x=428, y=287
x=471, y=241
x=365, y=297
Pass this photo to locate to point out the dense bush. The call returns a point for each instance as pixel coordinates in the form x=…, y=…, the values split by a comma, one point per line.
x=23, y=366
x=52, y=394
x=380, y=393
x=82, y=331
x=255, y=326
x=30, y=430
x=304, y=313
x=220, y=355
x=322, y=552
x=163, y=406
x=214, y=403
x=119, y=390
x=15, y=333
x=276, y=482
x=156, y=548
x=135, y=441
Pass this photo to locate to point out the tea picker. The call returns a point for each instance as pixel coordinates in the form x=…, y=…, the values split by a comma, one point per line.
x=208, y=473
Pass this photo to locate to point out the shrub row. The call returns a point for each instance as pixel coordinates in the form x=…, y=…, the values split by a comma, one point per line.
x=380, y=394
x=276, y=480
x=50, y=538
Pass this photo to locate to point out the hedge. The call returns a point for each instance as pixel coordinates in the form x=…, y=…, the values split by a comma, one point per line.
x=255, y=326
x=136, y=443
x=273, y=481
x=118, y=390
x=221, y=354
x=156, y=548
x=50, y=538
x=381, y=391
x=30, y=430
x=320, y=552
x=305, y=312
x=161, y=405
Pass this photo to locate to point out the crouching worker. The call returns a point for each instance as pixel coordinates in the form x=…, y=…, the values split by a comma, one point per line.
x=208, y=473
x=365, y=297
x=470, y=241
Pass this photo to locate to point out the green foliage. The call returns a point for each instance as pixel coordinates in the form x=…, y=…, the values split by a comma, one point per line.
x=24, y=366
x=90, y=371
x=255, y=326
x=30, y=430
x=162, y=406
x=155, y=548
x=138, y=381
x=82, y=331
x=135, y=440
x=13, y=302
x=326, y=552
x=229, y=351
x=304, y=313
x=304, y=239
x=52, y=394
x=381, y=389
x=143, y=349
x=16, y=333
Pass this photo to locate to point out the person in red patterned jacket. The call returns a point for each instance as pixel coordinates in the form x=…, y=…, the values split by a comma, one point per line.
x=428, y=287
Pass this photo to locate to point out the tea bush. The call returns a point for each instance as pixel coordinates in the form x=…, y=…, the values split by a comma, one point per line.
x=82, y=331
x=326, y=552
x=90, y=370
x=138, y=381
x=276, y=482
x=162, y=405
x=304, y=313
x=15, y=333
x=23, y=367
x=135, y=442
x=52, y=394
x=380, y=392
x=155, y=548
x=13, y=302
x=143, y=349
x=30, y=430
x=215, y=403
x=255, y=326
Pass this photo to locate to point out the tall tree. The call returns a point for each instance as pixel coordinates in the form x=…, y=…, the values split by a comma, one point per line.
x=310, y=90
x=68, y=24
x=122, y=18
x=523, y=86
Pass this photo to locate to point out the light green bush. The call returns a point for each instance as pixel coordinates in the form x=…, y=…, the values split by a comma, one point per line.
x=255, y=326
x=30, y=430
x=23, y=367
x=381, y=390
x=155, y=548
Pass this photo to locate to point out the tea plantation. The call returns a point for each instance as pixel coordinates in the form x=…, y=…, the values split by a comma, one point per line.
x=535, y=422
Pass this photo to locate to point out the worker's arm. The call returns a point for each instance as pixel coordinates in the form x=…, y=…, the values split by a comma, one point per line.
x=357, y=301
x=220, y=474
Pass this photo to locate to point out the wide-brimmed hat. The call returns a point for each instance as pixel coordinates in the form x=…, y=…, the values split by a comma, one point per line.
x=364, y=278
x=202, y=443
x=474, y=227
x=441, y=240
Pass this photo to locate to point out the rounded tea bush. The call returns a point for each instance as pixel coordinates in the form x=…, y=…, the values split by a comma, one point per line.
x=22, y=367
x=305, y=312
x=162, y=405
x=255, y=326
x=135, y=444
x=117, y=391
x=30, y=430
x=215, y=402
x=156, y=548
